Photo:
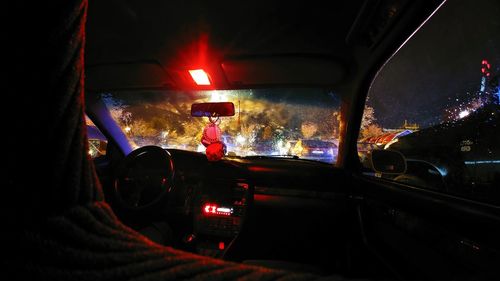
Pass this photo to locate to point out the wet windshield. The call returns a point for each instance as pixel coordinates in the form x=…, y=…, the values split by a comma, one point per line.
x=269, y=122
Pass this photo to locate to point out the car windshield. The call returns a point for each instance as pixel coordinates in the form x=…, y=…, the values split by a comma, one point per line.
x=299, y=122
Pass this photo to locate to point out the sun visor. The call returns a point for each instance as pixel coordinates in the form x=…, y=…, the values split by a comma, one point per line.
x=282, y=71
x=128, y=75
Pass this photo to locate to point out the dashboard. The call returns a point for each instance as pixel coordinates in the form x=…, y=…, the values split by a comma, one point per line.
x=220, y=194
x=207, y=203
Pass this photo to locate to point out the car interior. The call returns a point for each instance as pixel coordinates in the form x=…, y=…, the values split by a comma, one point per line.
x=261, y=140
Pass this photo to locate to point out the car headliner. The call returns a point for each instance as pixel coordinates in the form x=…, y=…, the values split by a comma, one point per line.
x=240, y=44
x=161, y=30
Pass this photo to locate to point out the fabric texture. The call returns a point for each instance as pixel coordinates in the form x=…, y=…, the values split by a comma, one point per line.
x=89, y=243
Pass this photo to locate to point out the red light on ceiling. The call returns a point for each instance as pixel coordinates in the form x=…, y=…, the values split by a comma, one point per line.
x=200, y=77
x=221, y=246
x=213, y=209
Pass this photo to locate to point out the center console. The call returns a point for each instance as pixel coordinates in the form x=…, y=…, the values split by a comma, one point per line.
x=220, y=215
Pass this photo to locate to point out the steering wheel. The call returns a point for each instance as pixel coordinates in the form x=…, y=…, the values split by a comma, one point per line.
x=144, y=178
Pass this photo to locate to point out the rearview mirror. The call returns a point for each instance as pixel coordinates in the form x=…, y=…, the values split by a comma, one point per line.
x=212, y=109
x=388, y=162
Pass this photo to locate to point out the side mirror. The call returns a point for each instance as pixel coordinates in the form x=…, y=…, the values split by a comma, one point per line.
x=388, y=162
x=212, y=109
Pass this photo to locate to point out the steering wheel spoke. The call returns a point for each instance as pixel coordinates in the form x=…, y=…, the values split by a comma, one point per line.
x=144, y=178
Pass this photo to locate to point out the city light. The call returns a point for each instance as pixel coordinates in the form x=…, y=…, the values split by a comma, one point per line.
x=217, y=96
x=463, y=114
x=240, y=139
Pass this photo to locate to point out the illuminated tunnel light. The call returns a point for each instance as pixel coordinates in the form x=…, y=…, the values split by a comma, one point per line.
x=200, y=77
x=213, y=209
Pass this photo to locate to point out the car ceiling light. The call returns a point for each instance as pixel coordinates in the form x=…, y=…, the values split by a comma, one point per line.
x=200, y=77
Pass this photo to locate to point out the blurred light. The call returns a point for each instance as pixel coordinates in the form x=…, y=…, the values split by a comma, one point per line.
x=298, y=149
x=217, y=96
x=390, y=143
x=221, y=246
x=200, y=148
x=442, y=171
x=240, y=139
x=282, y=148
x=190, y=238
x=482, y=162
x=200, y=77
x=463, y=113
x=127, y=129
x=224, y=210
x=209, y=209
x=264, y=169
x=213, y=209
x=243, y=185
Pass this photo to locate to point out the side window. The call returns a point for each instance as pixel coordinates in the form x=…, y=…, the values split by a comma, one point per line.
x=437, y=101
x=97, y=141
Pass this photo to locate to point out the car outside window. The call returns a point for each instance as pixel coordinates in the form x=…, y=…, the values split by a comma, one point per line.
x=437, y=102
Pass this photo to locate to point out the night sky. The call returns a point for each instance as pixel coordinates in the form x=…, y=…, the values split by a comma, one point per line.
x=438, y=65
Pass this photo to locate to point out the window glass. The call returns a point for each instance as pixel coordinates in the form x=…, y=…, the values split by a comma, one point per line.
x=96, y=140
x=291, y=122
x=437, y=102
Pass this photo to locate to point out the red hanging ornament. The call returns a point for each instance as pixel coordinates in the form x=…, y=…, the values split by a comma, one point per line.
x=212, y=140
